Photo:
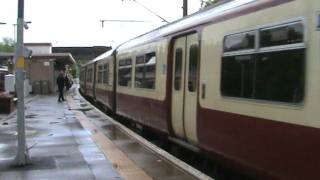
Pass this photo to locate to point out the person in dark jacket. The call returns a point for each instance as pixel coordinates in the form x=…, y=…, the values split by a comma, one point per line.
x=68, y=82
x=61, y=82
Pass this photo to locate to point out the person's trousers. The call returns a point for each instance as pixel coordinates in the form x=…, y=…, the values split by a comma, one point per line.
x=61, y=98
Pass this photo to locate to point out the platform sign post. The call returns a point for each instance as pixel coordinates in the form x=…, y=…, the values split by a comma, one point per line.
x=22, y=152
x=185, y=8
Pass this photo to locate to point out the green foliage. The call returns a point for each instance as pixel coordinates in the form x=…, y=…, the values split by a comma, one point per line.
x=206, y=3
x=7, y=45
x=73, y=71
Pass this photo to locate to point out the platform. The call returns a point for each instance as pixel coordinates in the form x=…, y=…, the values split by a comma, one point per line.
x=59, y=146
x=70, y=140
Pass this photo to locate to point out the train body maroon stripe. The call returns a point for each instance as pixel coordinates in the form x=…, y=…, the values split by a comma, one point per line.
x=261, y=143
x=89, y=91
x=105, y=97
x=146, y=111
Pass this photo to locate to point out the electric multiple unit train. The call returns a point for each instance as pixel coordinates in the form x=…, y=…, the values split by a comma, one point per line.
x=239, y=82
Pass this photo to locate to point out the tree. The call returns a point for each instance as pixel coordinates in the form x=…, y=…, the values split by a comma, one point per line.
x=206, y=3
x=7, y=45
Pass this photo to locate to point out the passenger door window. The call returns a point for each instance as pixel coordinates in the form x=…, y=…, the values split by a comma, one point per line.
x=193, y=68
x=178, y=69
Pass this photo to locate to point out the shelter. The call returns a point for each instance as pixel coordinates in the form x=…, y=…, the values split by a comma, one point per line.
x=42, y=67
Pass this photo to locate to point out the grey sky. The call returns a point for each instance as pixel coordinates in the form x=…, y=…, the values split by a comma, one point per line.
x=76, y=22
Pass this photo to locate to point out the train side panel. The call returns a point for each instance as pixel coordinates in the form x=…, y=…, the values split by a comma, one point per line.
x=144, y=100
x=90, y=78
x=267, y=136
x=104, y=82
x=271, y=44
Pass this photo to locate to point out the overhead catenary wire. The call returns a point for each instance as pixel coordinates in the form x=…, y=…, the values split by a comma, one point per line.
x=122, y=21
x=154, y=13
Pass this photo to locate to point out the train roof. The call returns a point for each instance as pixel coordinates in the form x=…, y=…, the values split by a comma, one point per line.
x=222, y=11
x=210, y=14
x=102, y=56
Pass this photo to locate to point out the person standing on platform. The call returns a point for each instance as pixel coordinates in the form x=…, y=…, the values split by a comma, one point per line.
x=61, y=83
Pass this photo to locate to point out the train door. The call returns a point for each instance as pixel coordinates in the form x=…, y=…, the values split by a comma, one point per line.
x=185, y=87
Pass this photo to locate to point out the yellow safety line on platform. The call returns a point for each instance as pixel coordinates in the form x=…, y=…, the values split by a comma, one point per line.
x=120, y=161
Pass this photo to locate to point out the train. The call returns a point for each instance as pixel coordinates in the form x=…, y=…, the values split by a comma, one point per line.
x=238, y=82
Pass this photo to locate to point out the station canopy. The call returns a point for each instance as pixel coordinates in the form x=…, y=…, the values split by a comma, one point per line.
x=65, y=58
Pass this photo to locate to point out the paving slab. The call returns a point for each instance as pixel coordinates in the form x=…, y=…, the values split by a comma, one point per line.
x=74, y=140
x=148, y=159
x=59, y=147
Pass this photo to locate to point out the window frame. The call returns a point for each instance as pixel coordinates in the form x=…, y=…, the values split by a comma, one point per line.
x=283, y=47
x=175, y=69
x=124, y=66
x=196, y=69
x=100, y=71
x=144, y=65
x=89, y=77
x=105, y=70
x=244, y=51
x=259, y=50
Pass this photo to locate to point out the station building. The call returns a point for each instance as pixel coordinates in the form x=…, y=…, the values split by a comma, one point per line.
x=42, y=67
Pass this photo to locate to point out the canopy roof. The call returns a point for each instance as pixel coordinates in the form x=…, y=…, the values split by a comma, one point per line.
x=59, y=57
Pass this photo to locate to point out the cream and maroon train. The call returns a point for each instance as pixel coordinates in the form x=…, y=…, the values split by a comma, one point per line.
x=240, y=82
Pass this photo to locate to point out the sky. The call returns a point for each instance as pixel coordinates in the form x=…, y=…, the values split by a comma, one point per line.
x=77, y=22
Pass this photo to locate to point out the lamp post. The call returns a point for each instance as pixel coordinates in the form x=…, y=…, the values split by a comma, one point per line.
x=185, y=8
x=22, y=156
x=25, y=25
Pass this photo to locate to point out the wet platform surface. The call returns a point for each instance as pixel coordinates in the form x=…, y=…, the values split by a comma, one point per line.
x=153, y=164
x=71, y=140
x=149, y=161
x=59, y=146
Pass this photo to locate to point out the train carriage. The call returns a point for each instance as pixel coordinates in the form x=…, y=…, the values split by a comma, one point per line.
x=104, y=85
x=90, y=79
x=141, y=79
x=258, y=88
x=238, y=82
x=82, y=80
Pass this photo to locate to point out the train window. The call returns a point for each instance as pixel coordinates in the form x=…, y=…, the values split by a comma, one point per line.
x=145, y=71
x=237, y=76
x=139, y=72
x=140, y=60
x=193, y=68
x=89, y=77
x=268, y=75
x=283, y=35
x=128, y=62
x=238, y=42
x=150, y=71
x=105, y=74
x=280, y=76
x=100, y=74
x=81, y=75
x=178, y=69
x=125, y=73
